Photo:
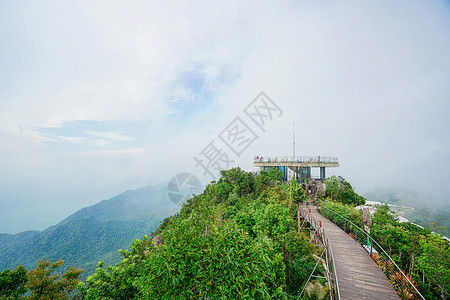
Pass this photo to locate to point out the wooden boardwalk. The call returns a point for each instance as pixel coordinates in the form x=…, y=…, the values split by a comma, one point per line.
x=357, y=274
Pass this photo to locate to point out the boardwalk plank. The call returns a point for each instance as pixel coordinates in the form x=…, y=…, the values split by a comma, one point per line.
x=358, y=275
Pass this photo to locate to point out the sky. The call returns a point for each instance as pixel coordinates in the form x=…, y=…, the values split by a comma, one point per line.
x=99, y=97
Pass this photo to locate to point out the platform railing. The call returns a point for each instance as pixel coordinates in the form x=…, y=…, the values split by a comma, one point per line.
x=401, y=282
x=320, y=232
x=297, y=159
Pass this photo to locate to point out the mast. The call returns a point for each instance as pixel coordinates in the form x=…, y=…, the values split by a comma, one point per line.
x=293, y=139
x=293, y=147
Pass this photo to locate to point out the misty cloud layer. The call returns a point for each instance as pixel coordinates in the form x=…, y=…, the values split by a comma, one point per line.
x=100, y=97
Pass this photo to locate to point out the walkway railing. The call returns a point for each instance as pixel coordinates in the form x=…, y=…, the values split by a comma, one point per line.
x=320, y=232
x=297, y=159
x=401, y=282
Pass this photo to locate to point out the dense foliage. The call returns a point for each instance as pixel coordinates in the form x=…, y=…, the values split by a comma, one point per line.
x=40, y=283
x=435, y=218
x=425, y=256
x=347, y=211
x=13, y=283
x=236, y=240
x=338, y=189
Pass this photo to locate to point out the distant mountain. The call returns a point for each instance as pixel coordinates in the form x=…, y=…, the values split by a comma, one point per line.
x=92, y=234
x=427, y=212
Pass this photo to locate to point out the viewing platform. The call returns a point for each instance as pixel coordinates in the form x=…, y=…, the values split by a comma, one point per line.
x=299, y=166
x=298, y=161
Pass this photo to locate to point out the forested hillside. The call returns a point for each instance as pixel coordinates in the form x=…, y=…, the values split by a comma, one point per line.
x=237, y=240
x=92, y=234
x=427, y=212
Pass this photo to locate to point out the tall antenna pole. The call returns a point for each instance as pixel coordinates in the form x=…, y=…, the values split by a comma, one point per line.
x=293, y=147
x=295, y=169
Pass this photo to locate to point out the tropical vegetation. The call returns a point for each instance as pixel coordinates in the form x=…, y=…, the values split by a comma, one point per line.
x=237, y=240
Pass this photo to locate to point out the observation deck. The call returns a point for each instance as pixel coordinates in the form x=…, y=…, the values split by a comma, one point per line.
x=299, y=166
x=298, y=161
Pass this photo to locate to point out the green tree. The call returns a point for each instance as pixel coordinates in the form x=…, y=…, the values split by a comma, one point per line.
x=13, y=283
x=435, y=262
x=266, y=179
x=202, y=259
x=240, y=181
x=338, y=189
x=272, y=219
x=350, y=197
x=117, y=282
x=332, y=187
x=298, y=260
x=383, y=216
x=43, y=285
x=347, y=211
x=223, y=189
x=296, y=192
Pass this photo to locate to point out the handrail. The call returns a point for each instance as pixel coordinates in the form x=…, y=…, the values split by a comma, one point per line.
x=406, y=292
x=296, y=159
x=317, y=226
x=336, y=282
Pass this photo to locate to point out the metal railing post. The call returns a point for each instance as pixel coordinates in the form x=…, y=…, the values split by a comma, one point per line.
x=322, y=234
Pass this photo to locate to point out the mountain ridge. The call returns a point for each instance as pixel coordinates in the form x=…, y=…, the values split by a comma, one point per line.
x=434, y=215
x=91, y=234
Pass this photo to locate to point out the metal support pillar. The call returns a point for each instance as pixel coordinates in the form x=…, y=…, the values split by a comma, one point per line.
x=300, y=174
x=305, y=173
x=322, y=174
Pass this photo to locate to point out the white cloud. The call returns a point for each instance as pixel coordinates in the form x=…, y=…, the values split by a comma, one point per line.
x=115, y=136
x=365, y=81
x=109, y=153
